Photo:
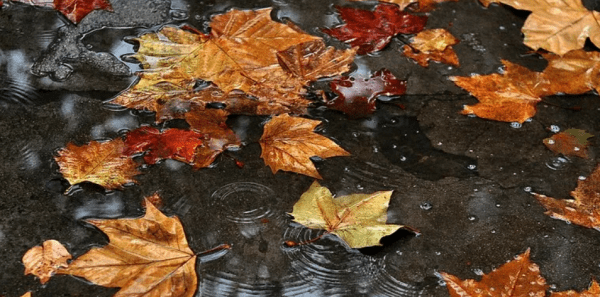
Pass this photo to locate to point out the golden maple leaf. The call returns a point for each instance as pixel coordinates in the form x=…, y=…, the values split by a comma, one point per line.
x=571, y=142
x=102, y=163
x=358, y=219
x=43, y=261
x=517, y=278
x=245, y=51
x=513, y=95
x=433, y=44
x=288, y=143
x=584, y=210
x=148, y=256
x=556, y=26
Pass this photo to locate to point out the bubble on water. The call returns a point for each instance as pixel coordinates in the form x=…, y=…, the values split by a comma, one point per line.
x=554, y=128
x=426, y=206
x=582, y=177
x=375, y=149
x=557, y=163
x=515, y=125
x=439, y=143
x=438, y=253
x=472, y=167
x=472, y=218
x=360, y=187
x=527, y=189
x=576, y=149
x=493, y=231
x=354, y=134
x=550, y=141
x=394, y=146
x=498, y=205
x=403, y=158
x=478, y=271
x=502, y=28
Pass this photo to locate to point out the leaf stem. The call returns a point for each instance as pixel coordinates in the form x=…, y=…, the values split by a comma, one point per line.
x=291, y=243
x=224, y=246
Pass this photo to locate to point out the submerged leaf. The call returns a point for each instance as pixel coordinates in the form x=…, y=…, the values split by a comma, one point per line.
x=358, y=219
x=433, y=44
x=176, y=144
x=571, y=142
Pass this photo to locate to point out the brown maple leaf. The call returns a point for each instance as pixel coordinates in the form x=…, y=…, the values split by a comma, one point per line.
x=246, y=51
x=556, y=26
x=517, y=278
x=74, y=10
x=288, y=143
x=102, y=163
x=584, y=210
x=371, y=31
x=176, y=144
x=571, y=142
x=433, y=44
x=592, y=291
x=43, y=261
x=513, y=95
x=356, y=95
x=148, y=256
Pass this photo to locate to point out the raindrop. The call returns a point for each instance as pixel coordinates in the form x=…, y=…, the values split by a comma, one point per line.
x=498, y=205
x=502, y=28
x=439, y=143
x=557, y=163
x=354, y=134
x=197, y=17
x=472, y=218
x=438, y=253
x=515, y=125
x=360, y=187
x=554, y=128
x=576, y=149
x=472, y=167
x=403, y=158
x=478, y=271
x=550, y=141
x=582, y=177
x=527, y=189
x=493, y=231
x=426, y=206
x=375, y=149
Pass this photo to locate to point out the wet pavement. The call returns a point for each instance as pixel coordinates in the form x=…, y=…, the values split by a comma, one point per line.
x=464, y=182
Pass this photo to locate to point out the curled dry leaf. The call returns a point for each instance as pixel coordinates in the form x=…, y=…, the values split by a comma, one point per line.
x=102, y=163
x=358, y=219
x=245, y=51
x=433, y=44
x=356, y=95
x=288, y=143
x=148, y=256
x=513, y=95
x=43, y=261
x=571, y=142
x=517, y=278
x=556, y=26
x=371, y=31
x=74, y=10
x=584, y=210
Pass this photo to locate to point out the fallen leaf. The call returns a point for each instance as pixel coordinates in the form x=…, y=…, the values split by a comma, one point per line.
x=148, y=256
x=517, y=278
x=358, y=219
x=402, y=4
x=155, y=199
x=592, y=291
x=556, y=26
x=513, y=95
x=433, y=44
x=102, y=163
x=424, y=5
x=371, y=31
x=43, y=261
x=584, y=210
x=28, y=294
x=243, y=52
x=571, y=142
x=74, y=10
x=356, y=95
x=176, y=144
x=288, y=143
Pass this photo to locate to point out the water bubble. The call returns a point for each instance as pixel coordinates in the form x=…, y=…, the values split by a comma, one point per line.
x=426, y=206
x=375, y=149
x=394, y=146
x=360, y=187
x=472, y=167
x=582, y=177
x=515, y=125
x=557, y=163
x=472, y=218
x=576, y=149
x=502, y=28
x=478, y=271
x=554, y=128
x=527, y=189
x=439, y=143
x=498, y=205
x=354, y=134
x=550, y=141
x=403, y=158
x=493, y=231
x=197, y=17
x=438, y=253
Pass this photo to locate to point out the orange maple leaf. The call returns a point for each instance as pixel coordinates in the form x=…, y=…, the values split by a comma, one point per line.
x=513, y=95
x=592, y=291
x=288, y=143
x=571, y=142
x=43, y=261
x=433, y=44
x=148, y=256
x=74, y=10
x=584, y=210
x=102, y=163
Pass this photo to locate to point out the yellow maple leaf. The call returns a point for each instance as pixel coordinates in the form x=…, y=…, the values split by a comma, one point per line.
x=433, y=44
x=556, y=26
x=43, y=261
x=288, y=143
x=358, y=219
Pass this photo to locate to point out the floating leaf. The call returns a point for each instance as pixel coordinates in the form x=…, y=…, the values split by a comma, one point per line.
x=176, y=144
x=74, y=10
x=288, y=143
x=592, y=291
x=571, y=142
x=43, y=261
x=434, y=45
x=358, y=219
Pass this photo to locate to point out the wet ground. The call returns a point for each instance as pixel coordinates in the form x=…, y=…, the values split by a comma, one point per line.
x=464, y=182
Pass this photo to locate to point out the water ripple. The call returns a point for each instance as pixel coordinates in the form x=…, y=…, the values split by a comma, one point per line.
x=17, y=92
x=244, y=202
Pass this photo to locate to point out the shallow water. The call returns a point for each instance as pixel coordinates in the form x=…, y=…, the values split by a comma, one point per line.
x=463, y=182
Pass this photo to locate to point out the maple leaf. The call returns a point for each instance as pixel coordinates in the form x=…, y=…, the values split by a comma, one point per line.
x=102, y=163
x=424, y=5
x=401, y=3
x=356, y=96
x=584, y=210
x=513, y=95
x=571, y=142
x=556, y=26
x=74, y=10
x=358, y=219
x=176, y=144
x=434, y=44
x=517, y=278
x=43, y=261
x=372, y=30
x=592, y=291
x=243, y=52
x=288, y=143
x=148, y=256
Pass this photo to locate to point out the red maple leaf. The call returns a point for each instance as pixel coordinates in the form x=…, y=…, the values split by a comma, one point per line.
x=74, y=10
x=174, y=144
x=372, y=30
x=356, y=96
